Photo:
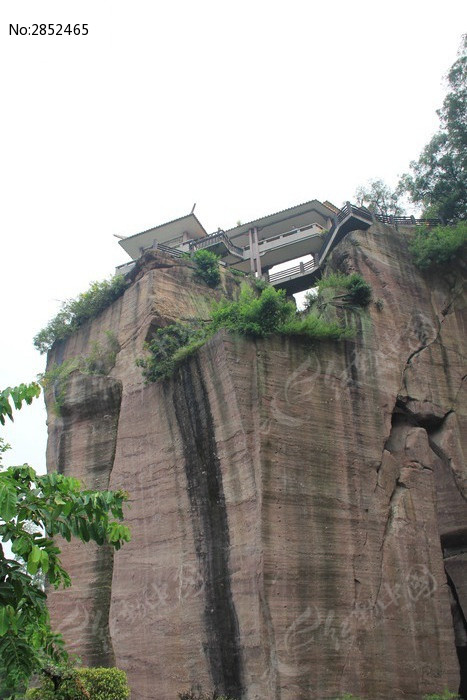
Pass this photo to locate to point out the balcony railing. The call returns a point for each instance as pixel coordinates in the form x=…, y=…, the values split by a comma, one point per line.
x=295, y=271
x=214, y=239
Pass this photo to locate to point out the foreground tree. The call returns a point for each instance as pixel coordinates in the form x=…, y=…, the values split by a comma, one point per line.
x=33, y=509
x=438, y=181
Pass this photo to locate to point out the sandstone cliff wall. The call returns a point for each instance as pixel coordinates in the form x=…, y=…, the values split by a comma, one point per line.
x=295, y=506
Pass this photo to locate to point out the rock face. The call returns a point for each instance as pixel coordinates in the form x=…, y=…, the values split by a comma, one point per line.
x=298, y=510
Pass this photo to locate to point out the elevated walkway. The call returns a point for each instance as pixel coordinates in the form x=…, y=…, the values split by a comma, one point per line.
x=264, y=243
x=305, y=275
x=300, y=277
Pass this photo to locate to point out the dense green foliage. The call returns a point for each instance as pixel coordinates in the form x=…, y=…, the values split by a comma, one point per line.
x=446, y=695
x=434, y=247
x=438, y=181
x=75, y=312
x=252, y=315
x=83, y=684
x=33, y=509
x=260, y=283
x=356, y=291
x=207, y=267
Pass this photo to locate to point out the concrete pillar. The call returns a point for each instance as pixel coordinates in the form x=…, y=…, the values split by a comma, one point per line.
x=255, y=260
x=252, y=251
x=257, y=255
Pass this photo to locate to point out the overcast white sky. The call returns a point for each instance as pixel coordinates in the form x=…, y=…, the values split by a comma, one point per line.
x=243, y=107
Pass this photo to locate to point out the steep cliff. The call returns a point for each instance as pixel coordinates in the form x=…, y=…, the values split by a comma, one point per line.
x=298, y=510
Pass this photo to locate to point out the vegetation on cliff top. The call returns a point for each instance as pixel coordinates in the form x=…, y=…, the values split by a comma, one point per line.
x=252, y=315
x=75, y=312
x=435, y=247
x=34, y=509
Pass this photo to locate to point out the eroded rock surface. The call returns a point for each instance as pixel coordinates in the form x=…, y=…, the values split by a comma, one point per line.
x=294, y=507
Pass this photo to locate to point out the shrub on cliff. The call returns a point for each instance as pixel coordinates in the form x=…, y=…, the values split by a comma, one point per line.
x=435, y=247
x=207, y=267
x=251, y=315
x=312, y=326
x=99, y=362
x=75, y=312
x=356, y=290
x=170, y=346
x=83, y=684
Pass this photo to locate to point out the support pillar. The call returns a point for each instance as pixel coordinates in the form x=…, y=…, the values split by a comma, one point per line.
x=252, y=251
x=255, y=260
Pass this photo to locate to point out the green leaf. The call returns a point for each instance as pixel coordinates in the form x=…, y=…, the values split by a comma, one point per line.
x=4, y=624
x=44, y=562
x=35, y=554
x=7, y=502
x=34, y=560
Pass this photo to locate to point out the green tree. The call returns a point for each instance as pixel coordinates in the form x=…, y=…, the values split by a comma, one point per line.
x=378, y=197
x=438, y=181
x=33, y=509
x=207, y=267
x=439, y=246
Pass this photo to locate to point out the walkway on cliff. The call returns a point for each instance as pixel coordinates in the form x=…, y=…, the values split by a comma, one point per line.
x=350, y=218
x=312, y=229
